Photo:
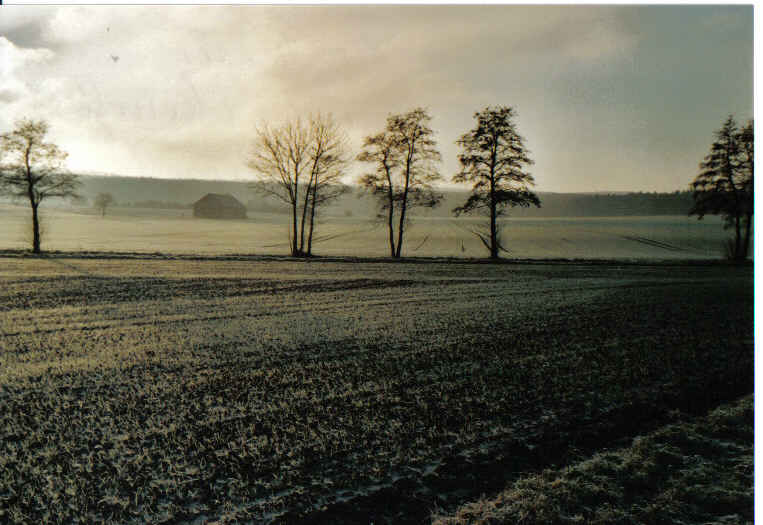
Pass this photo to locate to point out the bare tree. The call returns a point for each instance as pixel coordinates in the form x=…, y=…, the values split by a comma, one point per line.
x=725, y=184
x=329, y=158
x=279, y=160
x=380, y=151
x=32, y=169
x=103, y=201
x=493, y=159
x=300, y=164
x=404, y=158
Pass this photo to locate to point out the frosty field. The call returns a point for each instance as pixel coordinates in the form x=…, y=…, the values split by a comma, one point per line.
x=150, y=390
x=176, y=231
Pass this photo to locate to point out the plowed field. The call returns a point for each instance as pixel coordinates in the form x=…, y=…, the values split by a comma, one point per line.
x=167, y=391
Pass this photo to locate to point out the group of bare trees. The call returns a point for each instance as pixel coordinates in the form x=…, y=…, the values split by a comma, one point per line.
x=403, y=158
x=302, y=164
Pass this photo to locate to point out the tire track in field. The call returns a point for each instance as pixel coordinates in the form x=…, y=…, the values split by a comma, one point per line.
x=651, y=242
x=642, y=240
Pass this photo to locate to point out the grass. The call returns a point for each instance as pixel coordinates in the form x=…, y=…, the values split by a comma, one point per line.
x=163, y=391
x=176, y=231
x=696, y=471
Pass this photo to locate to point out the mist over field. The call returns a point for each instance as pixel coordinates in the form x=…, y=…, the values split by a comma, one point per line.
x=155, y=215
x=150, y=230
x=142, y=191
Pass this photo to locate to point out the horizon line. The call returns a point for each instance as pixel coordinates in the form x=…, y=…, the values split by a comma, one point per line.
x=446, y=187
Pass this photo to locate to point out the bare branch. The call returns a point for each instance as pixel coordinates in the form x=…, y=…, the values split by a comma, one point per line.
x=33, y=169
x=404, y=158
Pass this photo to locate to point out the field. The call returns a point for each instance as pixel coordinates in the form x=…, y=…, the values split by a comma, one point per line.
x=153, y=390
x=696, y=470
x=176, y=231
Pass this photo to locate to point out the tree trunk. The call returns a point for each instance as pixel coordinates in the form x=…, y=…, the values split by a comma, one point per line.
x=493, y=234
x=304, y=216
x=403, y=206
x=390, y=222
x=294, y=251
x=35, y=229
x=493, y=205
x=729, y=171
x=391, y=211
x=401, y=226
x=33, y=202
x=312, y=219
x=748, y=225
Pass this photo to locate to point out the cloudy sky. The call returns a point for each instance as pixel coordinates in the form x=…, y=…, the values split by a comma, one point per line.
x=610, y=98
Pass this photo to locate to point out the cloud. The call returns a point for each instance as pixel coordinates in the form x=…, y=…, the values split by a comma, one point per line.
x=24, y=25
x=191, y=82
x=15, y=83
x=15, y=58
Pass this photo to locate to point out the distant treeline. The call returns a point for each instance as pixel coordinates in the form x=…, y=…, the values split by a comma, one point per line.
x=182, y=193
x=602, y=205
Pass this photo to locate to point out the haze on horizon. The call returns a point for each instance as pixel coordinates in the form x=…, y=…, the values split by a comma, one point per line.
x=610, y=98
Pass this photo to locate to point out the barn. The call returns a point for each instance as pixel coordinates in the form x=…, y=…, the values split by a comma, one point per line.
x=216, y=206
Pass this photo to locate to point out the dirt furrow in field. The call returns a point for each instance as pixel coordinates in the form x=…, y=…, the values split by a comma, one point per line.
x=355, y=398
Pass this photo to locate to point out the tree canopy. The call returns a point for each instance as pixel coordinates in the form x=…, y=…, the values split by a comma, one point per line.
x=32, y=169
x=404, y=160
x=493, y=160
x=725, y=183
x=300, y=163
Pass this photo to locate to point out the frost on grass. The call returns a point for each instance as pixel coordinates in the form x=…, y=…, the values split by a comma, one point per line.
x=697, y=471
x=167, y=231
x=146, y=391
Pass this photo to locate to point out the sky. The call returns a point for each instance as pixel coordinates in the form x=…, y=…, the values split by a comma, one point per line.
x=609, y=98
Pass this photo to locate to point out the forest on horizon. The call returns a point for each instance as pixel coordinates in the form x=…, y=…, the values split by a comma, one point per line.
x=151, y=192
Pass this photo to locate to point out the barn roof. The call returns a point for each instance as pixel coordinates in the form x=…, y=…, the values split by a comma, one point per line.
x=218, y=200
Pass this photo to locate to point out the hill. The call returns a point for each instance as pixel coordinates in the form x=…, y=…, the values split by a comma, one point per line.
x=174, y=193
